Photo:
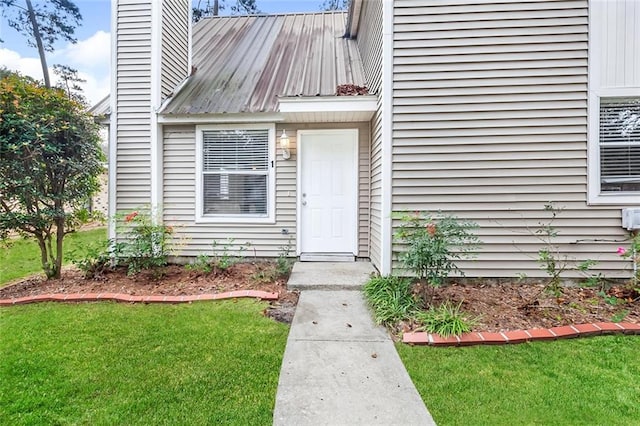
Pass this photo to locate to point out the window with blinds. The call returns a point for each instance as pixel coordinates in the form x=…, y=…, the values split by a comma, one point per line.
x=619, y=145
x=235, y=172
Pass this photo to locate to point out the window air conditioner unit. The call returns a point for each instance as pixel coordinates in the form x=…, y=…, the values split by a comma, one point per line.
x=631, y=219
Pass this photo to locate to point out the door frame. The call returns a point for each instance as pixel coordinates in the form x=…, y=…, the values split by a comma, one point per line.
x=356, y=199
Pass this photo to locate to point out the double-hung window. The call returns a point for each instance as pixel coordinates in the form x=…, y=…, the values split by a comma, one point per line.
x=235, y=173
x=619, y=145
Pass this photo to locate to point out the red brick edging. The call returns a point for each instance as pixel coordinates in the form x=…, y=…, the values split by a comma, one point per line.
x=521, y=336
x=117, y=297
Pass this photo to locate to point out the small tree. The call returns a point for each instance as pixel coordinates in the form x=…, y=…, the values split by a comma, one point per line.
x=50, y=161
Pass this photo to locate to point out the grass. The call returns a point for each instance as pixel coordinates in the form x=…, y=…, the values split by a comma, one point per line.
x=579, y=381
x=106, y=363
x=22, y=256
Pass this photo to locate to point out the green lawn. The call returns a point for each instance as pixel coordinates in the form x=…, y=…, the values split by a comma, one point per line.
x=106, y=363
x=22, y=257
x=569, y=382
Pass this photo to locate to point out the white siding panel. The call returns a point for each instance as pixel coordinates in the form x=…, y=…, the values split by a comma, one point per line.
x=490, y=124
x=133, y=89
x=179, y=159
x=370, y=45
x=619, y=61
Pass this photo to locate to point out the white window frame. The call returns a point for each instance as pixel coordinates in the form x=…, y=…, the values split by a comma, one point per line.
x=596, y=196
x=200, y=217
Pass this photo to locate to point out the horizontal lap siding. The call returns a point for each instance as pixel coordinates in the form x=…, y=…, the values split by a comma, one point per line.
x=369, y=41
x=175, y=44
x=179, y=159
x=133, y=91
x=490, y=123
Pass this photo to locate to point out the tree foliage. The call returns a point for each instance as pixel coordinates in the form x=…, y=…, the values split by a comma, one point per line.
x=43, y=23
x=213, y=7
x=335, y=5
x=50, y=161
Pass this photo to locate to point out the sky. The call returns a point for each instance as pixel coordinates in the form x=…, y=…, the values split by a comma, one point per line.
x=91, y=54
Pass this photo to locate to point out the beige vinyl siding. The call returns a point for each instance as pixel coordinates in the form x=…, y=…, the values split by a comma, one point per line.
x=179, y=159
x=490, y=123
x=133, y=92
x=175, y=44
x=369, y=41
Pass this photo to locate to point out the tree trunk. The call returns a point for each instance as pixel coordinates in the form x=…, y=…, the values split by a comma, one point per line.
x=44, y=255
x=215, y=7
x=59, y=251
x=36, y=35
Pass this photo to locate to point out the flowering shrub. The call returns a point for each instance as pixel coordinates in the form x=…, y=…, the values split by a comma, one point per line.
x=432, y=244
x=144, y=245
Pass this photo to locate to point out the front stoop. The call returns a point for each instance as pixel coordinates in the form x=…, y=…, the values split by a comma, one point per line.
x=329, y=275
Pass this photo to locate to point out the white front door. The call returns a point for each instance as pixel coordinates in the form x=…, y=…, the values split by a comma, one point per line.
x=327, y=191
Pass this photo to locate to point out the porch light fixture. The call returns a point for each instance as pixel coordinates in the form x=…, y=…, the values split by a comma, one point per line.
x=284, y=145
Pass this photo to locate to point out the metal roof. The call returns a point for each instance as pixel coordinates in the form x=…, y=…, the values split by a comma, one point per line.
x=102, y=108
x=244, y=63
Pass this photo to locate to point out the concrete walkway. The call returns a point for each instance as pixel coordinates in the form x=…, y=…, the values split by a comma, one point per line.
x=339, y=368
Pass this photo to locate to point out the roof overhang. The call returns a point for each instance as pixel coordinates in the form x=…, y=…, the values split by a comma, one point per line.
x=220, y=118
x=353, y=18
x=330, y=109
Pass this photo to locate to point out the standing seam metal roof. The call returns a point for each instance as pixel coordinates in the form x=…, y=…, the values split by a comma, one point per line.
x=244, y=63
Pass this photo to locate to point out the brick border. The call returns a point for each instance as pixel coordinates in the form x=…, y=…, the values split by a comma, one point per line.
x=521, y=336
x=128, y=298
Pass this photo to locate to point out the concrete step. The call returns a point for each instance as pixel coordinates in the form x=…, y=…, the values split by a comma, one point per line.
x=330, y=275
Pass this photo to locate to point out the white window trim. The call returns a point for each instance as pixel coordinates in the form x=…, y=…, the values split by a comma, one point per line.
x=271, y=177
x=595, y=196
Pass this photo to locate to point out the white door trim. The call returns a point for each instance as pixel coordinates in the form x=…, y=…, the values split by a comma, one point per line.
x=300, y=153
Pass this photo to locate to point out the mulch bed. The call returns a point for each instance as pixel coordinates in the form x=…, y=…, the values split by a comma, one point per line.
x=496, y=307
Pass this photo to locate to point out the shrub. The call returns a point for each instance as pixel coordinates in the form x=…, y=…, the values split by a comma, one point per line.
x=95, y=260
x=446, y=320
x=145, y=244
x=391, y=299
x=432, y=244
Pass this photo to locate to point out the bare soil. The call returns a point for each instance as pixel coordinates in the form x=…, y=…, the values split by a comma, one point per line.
x=496, y=307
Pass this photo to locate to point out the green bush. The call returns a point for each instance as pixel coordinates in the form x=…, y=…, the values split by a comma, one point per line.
x=145, y=244
x=391, y=299
x=432, y=243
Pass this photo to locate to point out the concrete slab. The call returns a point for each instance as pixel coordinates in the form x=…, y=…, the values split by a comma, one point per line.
x=339, y=368
x=329, y=275
x=337, y=315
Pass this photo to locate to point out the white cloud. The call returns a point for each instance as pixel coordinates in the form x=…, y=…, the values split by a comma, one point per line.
x=93, y=52
x=90, y=57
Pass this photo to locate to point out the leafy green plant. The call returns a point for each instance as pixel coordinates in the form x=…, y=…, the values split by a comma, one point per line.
x=284, y=263
x=620, y=316
x=201, y=264
x=223, y=257
x=93, y=259
x=633, y=253
x=145, y=244
x=391, y=299
x=432, y=243
x=446, y=320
